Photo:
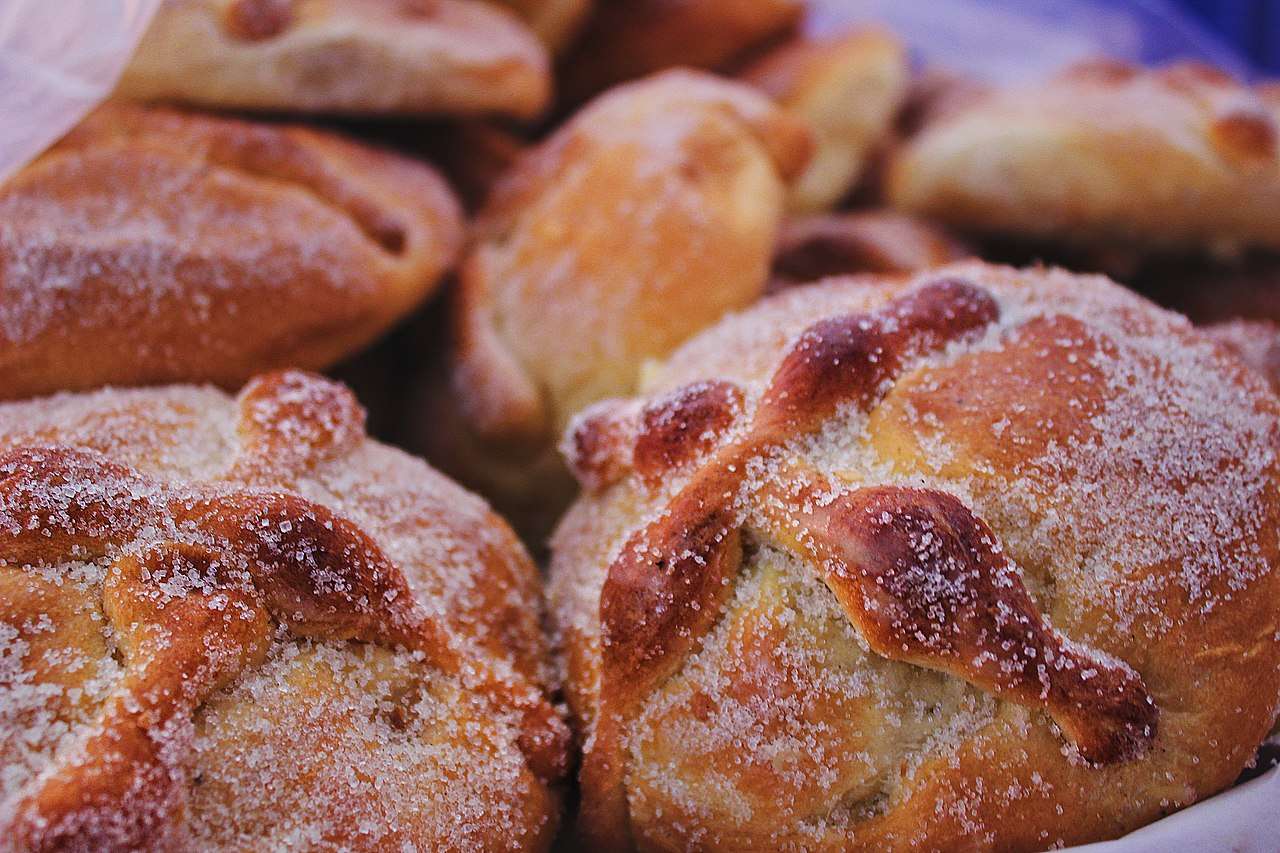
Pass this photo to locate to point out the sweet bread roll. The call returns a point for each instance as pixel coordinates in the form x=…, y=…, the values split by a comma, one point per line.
x=869, y=241
x=849, y=88
x=981, y=559
x=152, y=245
x=341, y=56
x=1176, y=158
x=238, y=624
x=647, y=216
x=556, y=22
x=626, y=39
x=1255, y=342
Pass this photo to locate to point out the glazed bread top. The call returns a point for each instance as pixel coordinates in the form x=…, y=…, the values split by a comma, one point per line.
x=239, y=623
x=1177, y=158
x=982, y=558
x=646, y=217
x=153, y=245
x=446, y=57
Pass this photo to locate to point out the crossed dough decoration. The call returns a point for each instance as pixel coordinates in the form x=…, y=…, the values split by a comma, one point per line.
x=198, y=577
x=917, y=573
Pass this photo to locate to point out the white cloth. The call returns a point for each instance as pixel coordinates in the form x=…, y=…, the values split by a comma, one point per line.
x=58, y=60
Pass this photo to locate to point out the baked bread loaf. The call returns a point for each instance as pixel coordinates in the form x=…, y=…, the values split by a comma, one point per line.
x=646, y=217
x=1176, y=158
x=152, y=245
x=237, y=624
x=626, y=39
x=978, y=560
x=1255, y=342
x=868, y=241
x=849, y=88
x=556, y=22
x=341, y=56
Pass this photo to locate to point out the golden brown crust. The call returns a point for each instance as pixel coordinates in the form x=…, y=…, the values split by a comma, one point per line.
x=877, y=546
x=556, y=22
x=849, y=88
x=626, y=39
x=925, y=582
x=934, y=454
x=615, y=437
x=452, y=57
x=565, y=293
x=206, y=581
x=876, y=241
x=1174, y=158
x=152, y=245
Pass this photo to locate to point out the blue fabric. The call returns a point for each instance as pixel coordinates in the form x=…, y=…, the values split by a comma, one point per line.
x=1251, y=26
x=1012, y=40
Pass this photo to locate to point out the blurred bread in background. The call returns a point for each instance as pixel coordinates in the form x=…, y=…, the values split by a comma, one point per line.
x=863, y=241
x=154, y=245
x=626, y=39
x=473, y=155
x=849, y=87
x=362, y=57
x=1178, y=158
x=647, y=216
x=556, y=22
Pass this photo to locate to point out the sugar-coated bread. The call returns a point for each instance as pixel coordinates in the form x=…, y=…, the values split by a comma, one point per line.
x=651, y=213
x=239, y=624
x=867, y=241
x=980, y=560
x=152, y=245
x=341, y=56
x=626, y=39
x=1179, y=157
x=849, y=87
x=1255, y=342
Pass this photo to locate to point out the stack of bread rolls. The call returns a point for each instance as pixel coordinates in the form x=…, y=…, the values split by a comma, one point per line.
x=816, y=488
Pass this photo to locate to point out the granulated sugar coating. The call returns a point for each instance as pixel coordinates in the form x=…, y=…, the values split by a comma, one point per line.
x=124, y=258
x=239, y=624
x=977, y=560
